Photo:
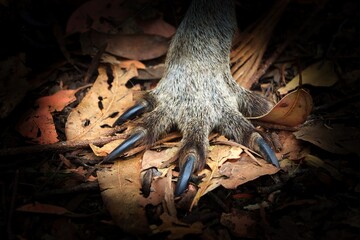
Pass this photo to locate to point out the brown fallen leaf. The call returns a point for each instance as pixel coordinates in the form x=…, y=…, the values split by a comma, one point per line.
x=120, y=189
x=291, y=110
x=96, y=113
x=177, y=228
x=156, y=159
x=126, y=64
x=38, y=124
x=156, y=26
x=336, y=138
x=243, y=170
x=131, y=46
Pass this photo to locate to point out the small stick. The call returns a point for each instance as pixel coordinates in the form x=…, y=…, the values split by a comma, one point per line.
x=59, y=146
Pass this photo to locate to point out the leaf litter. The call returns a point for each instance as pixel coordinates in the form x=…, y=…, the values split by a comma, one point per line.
x=120, y=183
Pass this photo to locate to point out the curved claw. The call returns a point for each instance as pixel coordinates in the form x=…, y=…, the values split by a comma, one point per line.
x=125, y=145
x=131, y=113
x=185, y=174
x=267, y=152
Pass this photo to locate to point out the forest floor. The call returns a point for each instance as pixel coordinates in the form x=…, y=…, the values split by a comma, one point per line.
x=59, y=99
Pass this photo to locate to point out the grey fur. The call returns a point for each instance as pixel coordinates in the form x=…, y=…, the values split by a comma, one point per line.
x=197, y=93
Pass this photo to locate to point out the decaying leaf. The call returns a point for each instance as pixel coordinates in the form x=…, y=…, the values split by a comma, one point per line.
x=291, y=110
x=336, y=138
x=95, y=113
x=319, y=74
x=38, y=124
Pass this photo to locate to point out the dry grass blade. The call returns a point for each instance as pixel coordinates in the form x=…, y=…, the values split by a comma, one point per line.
x=247, y=55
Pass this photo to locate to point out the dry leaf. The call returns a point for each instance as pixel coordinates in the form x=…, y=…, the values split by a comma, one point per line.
x=38, y=124
x=153, y=158
x=176, y=228
x=217, y=155
x=156, y=27
x=244, y=170
x=126, y=64
x=120, y=190
x=291, y=110
x=336, y=139
x=132, y=46
x=95, y=113
x=320, y=74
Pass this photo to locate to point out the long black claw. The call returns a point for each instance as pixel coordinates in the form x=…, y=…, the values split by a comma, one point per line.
x=131, y=113
x=185, y=174
x=267, y=152
x=125, y=145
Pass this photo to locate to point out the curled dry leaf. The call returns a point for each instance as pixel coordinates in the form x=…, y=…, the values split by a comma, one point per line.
x=291, y=110
x=38, y=124
x=95, y=113
x=133, y=46
x=319, y=74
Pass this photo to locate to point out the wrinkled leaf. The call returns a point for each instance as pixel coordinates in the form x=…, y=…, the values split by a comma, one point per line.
x=291, y=110
x=319, y=74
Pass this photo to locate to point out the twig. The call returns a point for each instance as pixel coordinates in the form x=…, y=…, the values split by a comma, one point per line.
x=83, y=187
x=60, y=146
